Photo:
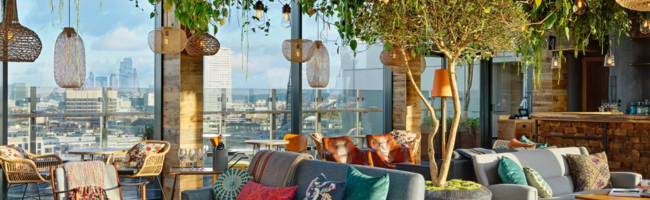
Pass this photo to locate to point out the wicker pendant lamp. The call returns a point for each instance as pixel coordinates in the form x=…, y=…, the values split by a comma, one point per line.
x=318, y=67
x=167, y=40
x=294, y=50
x=69, y=58
x=396, y=61
x=638, y=5
x=202, y=44
x=18, y=43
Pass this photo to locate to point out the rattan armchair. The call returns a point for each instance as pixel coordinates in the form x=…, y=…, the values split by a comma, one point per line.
x=31, y=169
x=152, y=166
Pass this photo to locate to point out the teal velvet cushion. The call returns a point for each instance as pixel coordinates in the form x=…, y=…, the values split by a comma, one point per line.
x=363, y=187
x=537, y=145
x=511, y=173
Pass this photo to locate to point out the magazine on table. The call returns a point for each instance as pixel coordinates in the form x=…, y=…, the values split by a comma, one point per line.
x=637, y=192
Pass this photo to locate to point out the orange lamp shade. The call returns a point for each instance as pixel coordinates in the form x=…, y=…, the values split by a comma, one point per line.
x=441, y=87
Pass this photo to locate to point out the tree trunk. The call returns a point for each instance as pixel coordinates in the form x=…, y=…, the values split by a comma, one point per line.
x=444, y=169
x=433, y=168
x=468, y=87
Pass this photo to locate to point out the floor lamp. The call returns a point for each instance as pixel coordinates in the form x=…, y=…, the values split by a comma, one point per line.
x=441, y=88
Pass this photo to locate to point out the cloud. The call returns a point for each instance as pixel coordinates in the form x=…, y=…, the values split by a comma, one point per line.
x=121, y=39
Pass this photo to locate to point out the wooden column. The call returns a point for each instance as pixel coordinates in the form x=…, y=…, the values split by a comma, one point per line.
x=407, y=108
x=182, y=114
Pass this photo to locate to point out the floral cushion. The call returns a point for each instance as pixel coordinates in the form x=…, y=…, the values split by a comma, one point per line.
x=317, y=138
x=255, y=191
x=405, y=138
x=535, y=180
x=229, y=184
x=137, y=156
x=590, y=172
x=321, y=188
x=12, y=153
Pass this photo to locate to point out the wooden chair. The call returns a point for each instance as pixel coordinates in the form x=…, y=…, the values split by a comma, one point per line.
x=317, y=138
x=112, y=185
x=387, y=153
x=342, y=150
x=297, y=143
x=21, y=167
x=152, y=166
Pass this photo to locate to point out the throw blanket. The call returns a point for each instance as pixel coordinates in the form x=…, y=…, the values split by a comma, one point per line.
x=87, y=178
x=470, y=153
x=275, y=168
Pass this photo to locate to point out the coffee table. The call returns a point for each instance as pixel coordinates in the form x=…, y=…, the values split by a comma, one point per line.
x=605, y=195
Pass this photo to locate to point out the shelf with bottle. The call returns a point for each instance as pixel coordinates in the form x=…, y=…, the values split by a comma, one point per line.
x=639, y=108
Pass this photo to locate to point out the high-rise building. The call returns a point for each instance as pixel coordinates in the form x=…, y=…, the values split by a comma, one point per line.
x=217, y=76
x=126, y=73
x=101, y=81
x=88, y=101
x=91, y=80
x=19, y=91
x=113, y=83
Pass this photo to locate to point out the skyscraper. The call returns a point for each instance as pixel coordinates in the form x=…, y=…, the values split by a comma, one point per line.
x=19, y=91
x=113, y=83
x=91, y=80
x=126, y=73
x=217, y=75
x=101, y=81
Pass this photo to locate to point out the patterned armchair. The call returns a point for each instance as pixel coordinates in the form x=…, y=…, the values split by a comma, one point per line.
x=342, y=150
x=21, y=167
x=317, y=138
x=145, y=159
x=387, y=153
x=410, y=139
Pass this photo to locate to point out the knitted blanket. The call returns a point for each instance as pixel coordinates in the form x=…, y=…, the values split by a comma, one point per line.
x=275, y=168
x=87, y=178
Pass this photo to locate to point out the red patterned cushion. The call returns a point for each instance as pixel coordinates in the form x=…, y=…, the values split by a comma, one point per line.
x=254, y=191
x=137, y=157
x=405, y=138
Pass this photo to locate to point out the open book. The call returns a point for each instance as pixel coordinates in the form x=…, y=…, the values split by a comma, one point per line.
x=626, y=192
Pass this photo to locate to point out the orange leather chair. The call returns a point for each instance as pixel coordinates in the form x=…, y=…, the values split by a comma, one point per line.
x=342, y=150
x=297, y=143
x=386, y=152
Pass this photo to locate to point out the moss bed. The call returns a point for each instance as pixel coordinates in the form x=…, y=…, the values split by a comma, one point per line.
x=454, y=184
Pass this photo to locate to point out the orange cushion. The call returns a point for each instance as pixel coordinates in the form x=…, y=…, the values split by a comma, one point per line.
x=514, y=143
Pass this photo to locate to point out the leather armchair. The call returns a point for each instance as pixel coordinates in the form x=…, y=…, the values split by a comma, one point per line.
x=387, y=153
x=343, y=150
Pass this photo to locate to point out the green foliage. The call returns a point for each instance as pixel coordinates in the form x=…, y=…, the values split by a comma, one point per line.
x=147, y=132
x=454, y=184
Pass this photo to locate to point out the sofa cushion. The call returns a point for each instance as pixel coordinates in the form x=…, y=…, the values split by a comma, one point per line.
x=361, y=186
x=537, y=145
x=230, y=184
x=403, y=185
x=590, y=172
x=514, y=143
x=537, y=181
x=256, y=191
x=322, y=189
x=511, y=173
x=405, y=138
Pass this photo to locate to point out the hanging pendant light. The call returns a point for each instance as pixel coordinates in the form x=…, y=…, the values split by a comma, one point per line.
x=609, y=59
x=202, y=44
x=637, y=5
x=286, y=19
x=318, y=67
x=69, y=58
x=294, y=50
x=645, y=28
x=397, y=62
x=167, y=40
x=555, y=61
x=18, y=43
x=582, y=7
x=260, y=15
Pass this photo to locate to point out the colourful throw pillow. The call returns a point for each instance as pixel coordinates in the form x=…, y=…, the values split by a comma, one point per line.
x=230, y=183
x=501, y=147
x=256, y=191
x=321, y=188
x=535, y=180
x=361, y=187
x=405, y=138
x=537, y=145
x=137, y=156
x=510, y=172
x=514, y=143
x=12, y=153
x=590, y=172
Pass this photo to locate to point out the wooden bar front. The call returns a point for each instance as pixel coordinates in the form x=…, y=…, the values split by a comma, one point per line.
x=624, y=137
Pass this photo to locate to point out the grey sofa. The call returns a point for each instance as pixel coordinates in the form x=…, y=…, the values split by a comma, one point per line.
x=403, y=185
x=550, y=164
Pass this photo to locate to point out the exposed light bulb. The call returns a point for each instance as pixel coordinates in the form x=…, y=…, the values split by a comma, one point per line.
x=609, y=61
x=581, y=7
x=286, y=20
x=259, y=14
x=10, y=35
x=298, y=53
x=202, y=44
x=166, y=41
x=394, y=55
x=645, y=28
x=645, y=23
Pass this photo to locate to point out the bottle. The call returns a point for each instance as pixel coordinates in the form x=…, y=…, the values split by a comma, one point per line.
x=632, y=108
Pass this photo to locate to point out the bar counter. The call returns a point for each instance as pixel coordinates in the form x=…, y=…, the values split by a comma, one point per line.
x=627, y=142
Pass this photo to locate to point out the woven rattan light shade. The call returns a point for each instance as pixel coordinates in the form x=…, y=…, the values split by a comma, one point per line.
x=69, y=60
x=318, y=67
x=167, y=40
x=393, y=57
x=18, y=43
x=396, y=61
x=294, y=50
x=638, y=5
x=202, y=45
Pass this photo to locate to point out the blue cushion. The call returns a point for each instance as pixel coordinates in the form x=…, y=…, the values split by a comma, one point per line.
x=537, y=145
x=230, y=183
x=363, y=187
x=511, y=173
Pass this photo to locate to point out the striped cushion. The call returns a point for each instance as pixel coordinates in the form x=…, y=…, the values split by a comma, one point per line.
x=514, y=143
x=500, y=143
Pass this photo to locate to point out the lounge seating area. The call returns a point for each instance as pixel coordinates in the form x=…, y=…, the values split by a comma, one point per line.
x=325, y=99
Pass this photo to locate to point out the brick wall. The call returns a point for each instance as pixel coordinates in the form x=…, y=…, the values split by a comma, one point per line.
x=628, y=143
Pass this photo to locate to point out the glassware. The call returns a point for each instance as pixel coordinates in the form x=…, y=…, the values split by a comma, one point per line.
x=203, y=155
x=192, y=156
x=181, y=157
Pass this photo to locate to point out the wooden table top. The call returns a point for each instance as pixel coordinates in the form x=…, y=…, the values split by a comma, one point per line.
x=96, y=151
x=199, y=170
x=605, y=195
x=266, y=142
